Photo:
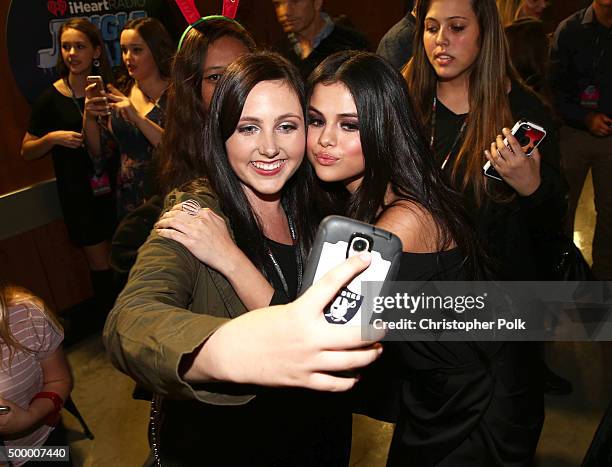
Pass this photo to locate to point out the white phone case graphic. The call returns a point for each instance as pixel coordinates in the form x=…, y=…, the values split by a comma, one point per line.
x=331, y=248
x=347, y=305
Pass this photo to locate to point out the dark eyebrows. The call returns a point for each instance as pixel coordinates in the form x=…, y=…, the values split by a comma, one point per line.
x=214, y=68
x=447, y=19
x=247, y=118
x=288, y=115
x=343, y=115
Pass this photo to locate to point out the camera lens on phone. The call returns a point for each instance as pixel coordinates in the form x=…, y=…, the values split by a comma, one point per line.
x=360, y=245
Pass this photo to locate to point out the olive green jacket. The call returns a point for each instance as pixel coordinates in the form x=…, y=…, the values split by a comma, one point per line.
x=171, y=304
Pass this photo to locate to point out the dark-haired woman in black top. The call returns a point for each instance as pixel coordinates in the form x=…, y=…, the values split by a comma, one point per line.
x=457, y=403
x=56, y=127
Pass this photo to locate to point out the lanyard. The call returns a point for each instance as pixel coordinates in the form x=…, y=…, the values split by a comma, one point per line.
x=298, y=259
x=76, y=103
x=432, y=140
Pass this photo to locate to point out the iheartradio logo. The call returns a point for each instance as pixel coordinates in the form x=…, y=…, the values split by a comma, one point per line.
x=57, y=7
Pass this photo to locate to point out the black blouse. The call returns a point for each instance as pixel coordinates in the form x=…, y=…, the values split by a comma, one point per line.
x=515, y=234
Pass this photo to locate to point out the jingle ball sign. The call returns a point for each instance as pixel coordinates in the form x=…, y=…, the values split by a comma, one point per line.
x=32, y=34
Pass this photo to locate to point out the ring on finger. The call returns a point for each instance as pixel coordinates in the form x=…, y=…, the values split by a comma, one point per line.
x=191, y=207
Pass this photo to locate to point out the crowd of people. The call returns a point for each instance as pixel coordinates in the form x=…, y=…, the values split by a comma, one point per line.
x=195, y=182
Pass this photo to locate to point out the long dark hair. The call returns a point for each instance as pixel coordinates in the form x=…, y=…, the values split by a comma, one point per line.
x=225, y=110
x=185, y=112
x=93, y=34
x=159, y=42
x=396, y=154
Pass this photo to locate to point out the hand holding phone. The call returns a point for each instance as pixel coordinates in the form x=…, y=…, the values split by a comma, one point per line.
x=96, y=104
x=98, y=89
x=529, y=136
x=339, y=238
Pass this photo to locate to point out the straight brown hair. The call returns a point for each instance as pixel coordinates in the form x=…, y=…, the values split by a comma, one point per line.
x=488, y=96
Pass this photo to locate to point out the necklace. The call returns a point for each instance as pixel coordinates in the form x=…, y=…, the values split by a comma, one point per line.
x=149, y=98
x=432, y=140
x=72, y=96
x=298, y=260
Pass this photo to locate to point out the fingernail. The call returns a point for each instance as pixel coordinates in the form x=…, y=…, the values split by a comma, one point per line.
x=487, y=152
x=365, y=256
x=505, y=131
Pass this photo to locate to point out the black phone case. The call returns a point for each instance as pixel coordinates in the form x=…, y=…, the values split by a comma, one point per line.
x=334, y=229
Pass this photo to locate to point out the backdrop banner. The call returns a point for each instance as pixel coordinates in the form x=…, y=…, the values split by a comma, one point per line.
x=32, y=34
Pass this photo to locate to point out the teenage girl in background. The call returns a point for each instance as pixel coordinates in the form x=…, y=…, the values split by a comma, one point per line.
x=136, y=111
x=56, y=127
x=467, y=97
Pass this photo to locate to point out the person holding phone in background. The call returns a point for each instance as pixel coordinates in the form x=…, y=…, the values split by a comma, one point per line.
x=258, y=184
x=56, y=127
x=464, y=91
x=35, y=379
x=136, y=111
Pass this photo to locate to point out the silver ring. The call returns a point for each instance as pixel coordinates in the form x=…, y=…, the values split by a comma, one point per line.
x=191, y=207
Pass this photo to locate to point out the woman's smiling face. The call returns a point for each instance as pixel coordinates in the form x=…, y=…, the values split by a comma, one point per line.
x=267, y=146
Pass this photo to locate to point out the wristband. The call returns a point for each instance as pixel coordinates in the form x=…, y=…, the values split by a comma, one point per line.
x=53, y=418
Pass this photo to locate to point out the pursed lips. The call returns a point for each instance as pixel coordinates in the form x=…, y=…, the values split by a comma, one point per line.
x=325, y=158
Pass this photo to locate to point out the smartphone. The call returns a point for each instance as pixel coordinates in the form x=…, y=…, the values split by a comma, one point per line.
x=339, y=238
x=4, y=409
x=529, y=136
x=98, y=91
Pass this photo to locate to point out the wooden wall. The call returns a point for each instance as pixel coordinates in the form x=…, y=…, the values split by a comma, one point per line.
x=44, y=261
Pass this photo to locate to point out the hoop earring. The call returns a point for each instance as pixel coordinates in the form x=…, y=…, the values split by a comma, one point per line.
x=96, y=63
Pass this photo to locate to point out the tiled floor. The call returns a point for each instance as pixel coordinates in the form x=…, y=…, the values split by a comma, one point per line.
x=103, y=395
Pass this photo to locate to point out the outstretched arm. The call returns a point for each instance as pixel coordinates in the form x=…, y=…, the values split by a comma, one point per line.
x=289, y=345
